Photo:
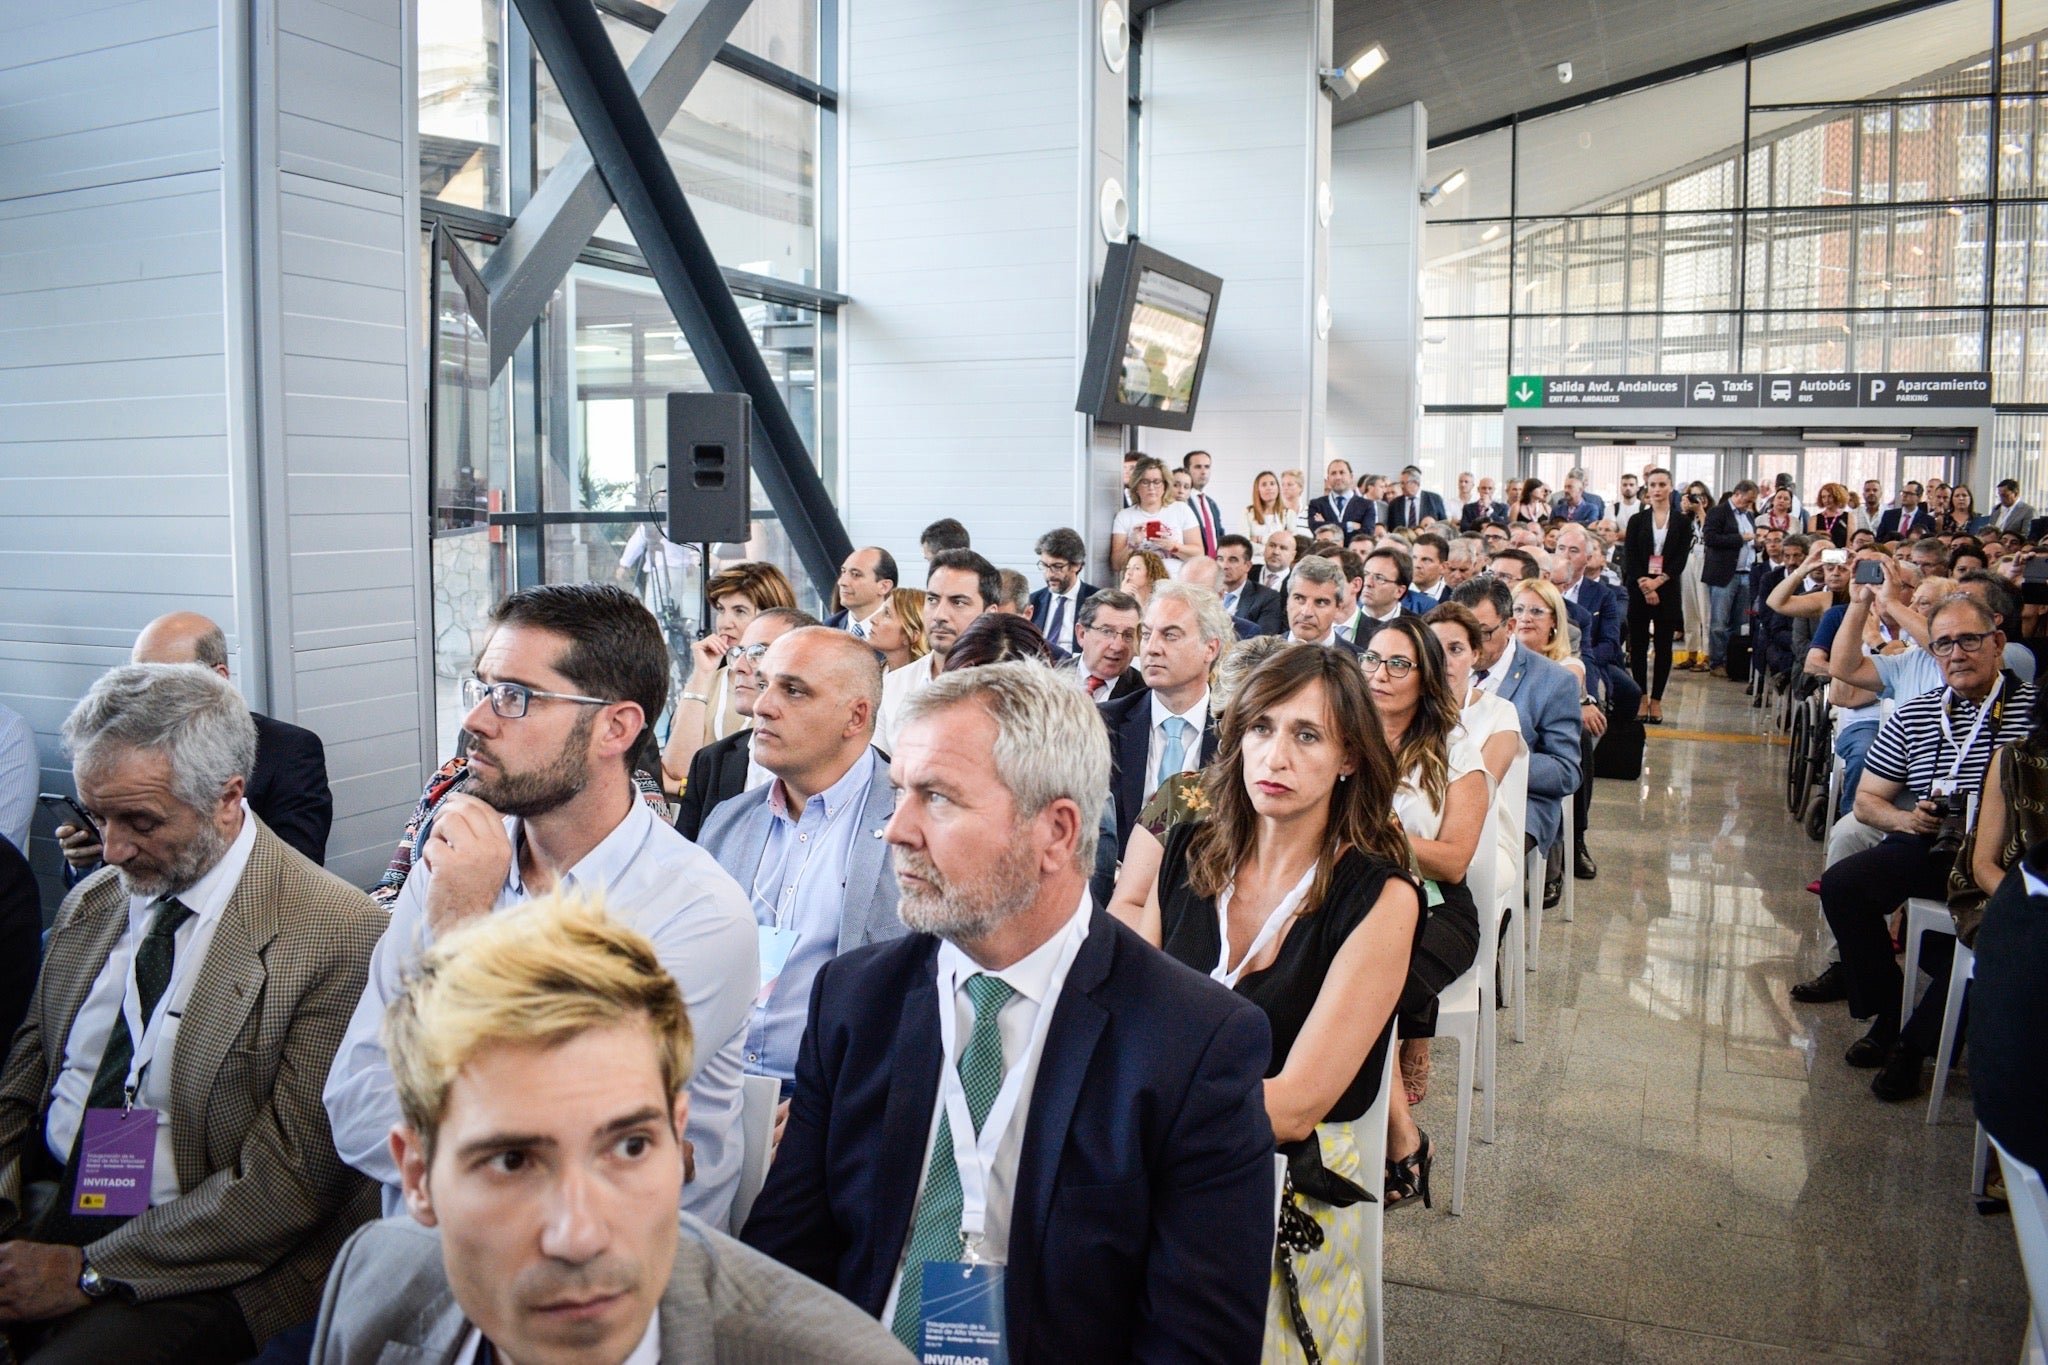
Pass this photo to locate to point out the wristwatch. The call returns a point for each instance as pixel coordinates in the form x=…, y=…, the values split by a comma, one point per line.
x=91, y=1283
x=1588, y=701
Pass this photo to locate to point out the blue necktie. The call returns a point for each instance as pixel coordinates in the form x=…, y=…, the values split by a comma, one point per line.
x=1176, y=750
x=1230, y=601
x=1052, y=627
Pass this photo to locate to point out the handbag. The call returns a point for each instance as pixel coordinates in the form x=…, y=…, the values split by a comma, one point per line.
x=1300, y=1234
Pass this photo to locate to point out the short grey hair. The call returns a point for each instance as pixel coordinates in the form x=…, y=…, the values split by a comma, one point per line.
x=1050, y=740
x=187, y=712
x=1107, y=599
x=1320, y=569
x=1211, y=619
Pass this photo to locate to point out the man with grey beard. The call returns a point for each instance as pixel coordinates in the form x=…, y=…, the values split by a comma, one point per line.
x=168, y=1186
x=1023, y=1097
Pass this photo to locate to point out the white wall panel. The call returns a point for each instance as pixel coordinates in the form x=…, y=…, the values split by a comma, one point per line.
x=1376, y=172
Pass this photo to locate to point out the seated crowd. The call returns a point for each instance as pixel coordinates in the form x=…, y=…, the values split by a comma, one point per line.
x=1048, y=919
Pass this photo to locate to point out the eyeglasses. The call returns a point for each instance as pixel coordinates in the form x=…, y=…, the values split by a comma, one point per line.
x=1522, y=610
x=1490, y=631
x=751, y=653
x=1969, y=643
x=1129, y=637
x=509, y=700
x=1381, y=580
x=1396, y=668
x=1055, y=565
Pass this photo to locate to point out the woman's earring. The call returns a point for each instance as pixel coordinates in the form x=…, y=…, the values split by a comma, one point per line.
x=1343, y=777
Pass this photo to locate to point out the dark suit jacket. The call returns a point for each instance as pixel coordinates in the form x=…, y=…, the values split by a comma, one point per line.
x=1397, y=509
x=1263, y=607
x=1130, y=740
x=21, y=937
x=267, y=1201
x=1892, y=526
x=1360, y=514
x=1724, y=544
x=1041, y=604
x=1608, y=609
x=718, y=772
x=1474, y=515
x=1129, y=681
x=1142, y=1223
x=1640, y=546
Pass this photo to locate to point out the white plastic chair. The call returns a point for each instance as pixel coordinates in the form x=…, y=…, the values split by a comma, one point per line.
x=1508, y=810
x=759, y=1096
x=1372, y=1237
x=1464, y=1012
x=1960, y=974
x=2029, y=1200
x=1923, y=916
x=1569, y=842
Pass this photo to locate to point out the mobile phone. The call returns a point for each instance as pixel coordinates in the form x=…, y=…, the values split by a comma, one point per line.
x=2035, y=570
x=1869, y=571
x=67, y=810
x=1834, y=556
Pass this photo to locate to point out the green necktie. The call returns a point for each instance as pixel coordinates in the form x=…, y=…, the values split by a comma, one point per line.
x=935, y=1235
x=154, y=958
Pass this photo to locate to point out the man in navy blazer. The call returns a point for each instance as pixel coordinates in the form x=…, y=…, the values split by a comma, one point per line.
x=1907, y=516
x=1342, y=506
x=1186, y=631
x=1575, y=504
x=1410, y=506
x=1243, y=598
x=1606, y=608
x=1056, y=607
x=1544, y=695
x=1130, y=1191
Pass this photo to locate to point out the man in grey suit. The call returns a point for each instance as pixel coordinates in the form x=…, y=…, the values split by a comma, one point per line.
x=540, y=1055
x=2011, y=515
x=808, y=845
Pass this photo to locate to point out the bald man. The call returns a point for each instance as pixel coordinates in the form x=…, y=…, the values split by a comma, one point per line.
x=808, y=845
x=287, y=791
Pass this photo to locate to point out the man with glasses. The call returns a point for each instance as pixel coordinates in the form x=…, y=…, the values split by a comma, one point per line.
x=1382, y=595
x=724, y=768
x=1108, y=636
x=1056, y=607
x=1934, y=748
x=569, y=679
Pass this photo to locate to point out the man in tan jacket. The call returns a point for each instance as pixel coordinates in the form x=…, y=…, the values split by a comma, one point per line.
x=169, y=1189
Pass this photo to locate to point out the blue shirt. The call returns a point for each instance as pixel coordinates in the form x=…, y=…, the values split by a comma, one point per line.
x=800, y=885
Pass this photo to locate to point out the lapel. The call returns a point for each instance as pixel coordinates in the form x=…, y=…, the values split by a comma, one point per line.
x=1134, y=740
x=753, y=838
x=913, y=1082
x=731, y=780
x=230, y=983
x=869, y=871
x=689, y=1320
x=1512, y=683
x=1077, y=1025
x=435, y=1333
x=76, y=954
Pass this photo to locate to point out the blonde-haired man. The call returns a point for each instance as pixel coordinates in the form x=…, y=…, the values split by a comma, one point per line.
x=540, y=1056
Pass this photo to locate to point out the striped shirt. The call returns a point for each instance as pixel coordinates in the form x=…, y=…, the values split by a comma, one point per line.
x=1913, y=747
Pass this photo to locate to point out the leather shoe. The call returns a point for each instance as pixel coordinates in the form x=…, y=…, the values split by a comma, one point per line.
x=1829, y=986
x=1583, y=866
x=1874, y=1048
x=1899, y=1078
x=1553, y=892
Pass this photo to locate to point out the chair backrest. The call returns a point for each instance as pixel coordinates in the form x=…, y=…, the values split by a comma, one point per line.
x=1511, y=804
x=759, y=1097
x=1483, y=881
x=1372, y=1156
x=2029, y=1200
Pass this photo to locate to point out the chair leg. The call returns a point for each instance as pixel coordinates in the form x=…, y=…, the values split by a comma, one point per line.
x=1489, y=1073
x=1467, y=1064
x=1570, y=844
x=1980, y=1162
x=1517, y=981
x=1533, y=895
x=1961, y=970
x=1912, y=969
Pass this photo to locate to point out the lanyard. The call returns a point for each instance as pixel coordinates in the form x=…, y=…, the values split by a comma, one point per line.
x=1983, y=713
x=147, y=1039
x=784, y=900
x=1268, y=931
x=975, y=1156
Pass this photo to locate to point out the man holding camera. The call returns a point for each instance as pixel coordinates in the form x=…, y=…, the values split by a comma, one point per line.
x=1935, y=746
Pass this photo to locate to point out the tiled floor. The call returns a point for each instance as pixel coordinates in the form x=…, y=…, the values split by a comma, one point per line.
x=1684, y=1169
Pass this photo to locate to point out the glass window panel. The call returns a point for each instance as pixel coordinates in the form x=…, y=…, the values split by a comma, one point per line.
x=1942, y=50
x=1810, y=343
x=2016, y=444
x=1871, y=155
x=2019, y=355
x=1454, y=443
x=1464, y=360
x=1849, y=466
x=1612, y=344
x=2022, y=148
x=2023, y=253
x=2026, y=45
x=744, y=153
x=460, y=86
x=1928, y=340
x=1582, y=160
x=783, y=31
x=1489, y=180
x=1799, y=259
x=1690, y=343
x=1464, y=269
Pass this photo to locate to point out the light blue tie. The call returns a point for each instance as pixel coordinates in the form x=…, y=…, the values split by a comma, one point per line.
x=1230, y=601
x=1176, y=749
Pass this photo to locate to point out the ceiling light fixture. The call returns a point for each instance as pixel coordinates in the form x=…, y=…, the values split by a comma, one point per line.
x=1490, y=233
x=1449, y=185
x=1342, y=82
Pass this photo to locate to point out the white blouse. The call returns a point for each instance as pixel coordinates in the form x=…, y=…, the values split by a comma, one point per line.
x=1177, y=517
x=1418, y=816
x=1485, y=716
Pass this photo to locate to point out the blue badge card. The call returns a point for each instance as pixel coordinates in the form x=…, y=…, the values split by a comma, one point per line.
x=962, y=1323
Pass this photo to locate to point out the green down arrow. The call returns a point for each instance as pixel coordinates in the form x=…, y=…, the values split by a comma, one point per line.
x=1525, y=391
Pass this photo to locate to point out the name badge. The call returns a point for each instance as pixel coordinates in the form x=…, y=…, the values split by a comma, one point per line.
x=1656, y=566
x=116, y=1159
x=1942, y=788
x=962, y=1318
x=776, y=946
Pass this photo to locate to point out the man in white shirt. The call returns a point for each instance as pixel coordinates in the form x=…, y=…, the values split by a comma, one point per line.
x=959, y=586
x=168, y=1186
x=1629, y=503
x=1166, y=729
x=561, y=694
x=865, y=581
x=1873, y=503
x=1208, y=514
x=1015, y=1010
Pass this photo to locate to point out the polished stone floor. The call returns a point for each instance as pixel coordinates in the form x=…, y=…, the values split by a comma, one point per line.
x=1684, y=1169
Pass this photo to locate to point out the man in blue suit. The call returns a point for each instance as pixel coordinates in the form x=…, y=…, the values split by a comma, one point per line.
x=808, y=844
x=1342, y=507
x=865, y=581
x=1545, y=696
x=1410, y=506
x=1056, y=607
x=1124, y=1208
x=1482, y=510
x=1605, y=609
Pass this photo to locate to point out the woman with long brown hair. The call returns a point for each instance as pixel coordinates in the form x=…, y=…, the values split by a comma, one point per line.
x=897, y=630
x=1294, y=892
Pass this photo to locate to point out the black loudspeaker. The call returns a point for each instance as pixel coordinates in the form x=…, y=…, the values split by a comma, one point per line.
x=710, y=494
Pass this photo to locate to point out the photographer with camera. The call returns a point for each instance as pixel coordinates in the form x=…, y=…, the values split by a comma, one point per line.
x=1936, y=747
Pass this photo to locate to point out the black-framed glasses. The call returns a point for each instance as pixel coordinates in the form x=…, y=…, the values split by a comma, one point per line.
x=509, y=700
x=1942, y=646
x=1396, y=668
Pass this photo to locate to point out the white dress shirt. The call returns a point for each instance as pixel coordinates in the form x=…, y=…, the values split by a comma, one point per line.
x=654, y=880
x=1490, y=684
x=206, y=898
x=1197, y=716
x=756, y=774
x=1036, y=978
x=860, y=626
x=1072, y=599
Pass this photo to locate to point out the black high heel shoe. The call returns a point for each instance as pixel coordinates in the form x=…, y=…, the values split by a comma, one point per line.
x=1408, y=1177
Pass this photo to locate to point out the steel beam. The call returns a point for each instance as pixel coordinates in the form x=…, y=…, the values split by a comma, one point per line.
x=628, y=154
x=571, y=200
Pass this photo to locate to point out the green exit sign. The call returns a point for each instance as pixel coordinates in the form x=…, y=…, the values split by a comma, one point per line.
x=1525, y=391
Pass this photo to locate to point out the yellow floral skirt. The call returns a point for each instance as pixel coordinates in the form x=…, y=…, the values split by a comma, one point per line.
x=1331, y=1279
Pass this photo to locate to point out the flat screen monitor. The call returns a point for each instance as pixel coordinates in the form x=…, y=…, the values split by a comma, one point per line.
x=1154, y=318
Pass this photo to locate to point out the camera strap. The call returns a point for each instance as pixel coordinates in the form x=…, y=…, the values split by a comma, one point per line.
x=1983, y=714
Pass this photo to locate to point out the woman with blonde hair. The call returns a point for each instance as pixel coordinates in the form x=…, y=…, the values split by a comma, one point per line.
x=1833, y=516
x=1293, y=499
x=704, y=711
x=1542, y=625
x=897, y=630
x=1266, y=513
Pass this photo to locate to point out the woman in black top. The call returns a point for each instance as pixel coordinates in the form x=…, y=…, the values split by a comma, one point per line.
x=1659, y=540
x=1316, y=921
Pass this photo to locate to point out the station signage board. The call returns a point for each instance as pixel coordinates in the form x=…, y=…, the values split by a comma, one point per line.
x=1783, y=391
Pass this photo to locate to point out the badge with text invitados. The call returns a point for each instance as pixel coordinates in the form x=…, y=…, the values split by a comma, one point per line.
x=962, y=1321
x=116, y=1159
